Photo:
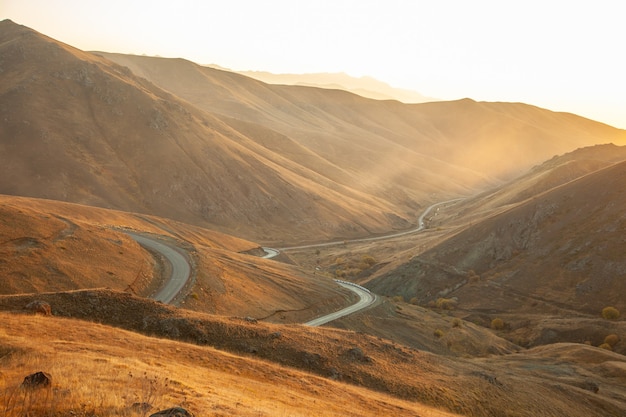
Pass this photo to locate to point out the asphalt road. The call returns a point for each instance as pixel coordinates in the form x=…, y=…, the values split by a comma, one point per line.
x=181, y=270
x=271, y=252
x=366, y=299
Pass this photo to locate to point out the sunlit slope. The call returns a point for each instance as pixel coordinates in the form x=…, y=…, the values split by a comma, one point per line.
x=79, y=128
x=369, y=136
x=558, y=252
x=50, y=246
x=234, y=367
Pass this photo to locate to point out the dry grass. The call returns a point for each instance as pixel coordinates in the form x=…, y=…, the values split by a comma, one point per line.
x=99, y=370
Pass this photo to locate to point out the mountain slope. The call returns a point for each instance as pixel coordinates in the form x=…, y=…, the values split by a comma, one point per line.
x=560, y=250
x=79, y=128
x=278, y=164
x=49, y=246
x=475, y=140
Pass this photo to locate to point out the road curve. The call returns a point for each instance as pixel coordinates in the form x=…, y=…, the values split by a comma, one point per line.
x=181, y=270
x=366, y=299
x=272, y=252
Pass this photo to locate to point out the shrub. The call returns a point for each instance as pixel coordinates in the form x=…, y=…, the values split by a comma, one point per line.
x=611, y=340
x=456, y=322
x=605, y=346
x=438, y=333
x=414, y=301
x=340, y=273
x=497, y=324
x=446, y=303
x=610, y=313
x=398, y=299
x=368, y=260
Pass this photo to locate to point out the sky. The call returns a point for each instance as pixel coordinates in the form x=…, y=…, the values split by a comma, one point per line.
x=560, y=55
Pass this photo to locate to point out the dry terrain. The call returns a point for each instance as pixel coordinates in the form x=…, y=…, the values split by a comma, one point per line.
x=494, y=309
x=222, y=366
x=274, y=164
x=543, y=253
x=49, y=246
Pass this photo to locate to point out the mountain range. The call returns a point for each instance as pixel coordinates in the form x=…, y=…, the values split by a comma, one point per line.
x=489, y=304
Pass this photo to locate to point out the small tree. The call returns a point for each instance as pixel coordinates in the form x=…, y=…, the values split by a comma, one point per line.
x=610, y=313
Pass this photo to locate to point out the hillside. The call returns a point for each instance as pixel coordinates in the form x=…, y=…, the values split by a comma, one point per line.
x=49, y=246
x=548, y=264
x=400, y=144
x=79, y=128
x=277, y=164
x=223, y=366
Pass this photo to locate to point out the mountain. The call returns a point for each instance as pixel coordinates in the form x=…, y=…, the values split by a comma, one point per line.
x=364, y=86
x=49, y=246
x=388, y=148
x=543, y=249
x=271, y=163
x=79, y=128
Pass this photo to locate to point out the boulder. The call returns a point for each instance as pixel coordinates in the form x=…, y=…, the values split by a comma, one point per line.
x=172, y=412
x=37, y=380
x=39, y=307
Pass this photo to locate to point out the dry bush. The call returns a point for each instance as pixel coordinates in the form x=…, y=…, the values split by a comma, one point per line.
x=610, y=313
x=446, y=303
x=497, y=324
x=368, y=260
x=438, y=333
x=605, y=346
x=457, y=322
x=611, y=340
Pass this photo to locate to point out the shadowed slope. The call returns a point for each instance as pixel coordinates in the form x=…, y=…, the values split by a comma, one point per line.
x=558, y=252
x=82, y=129
x=476, y=139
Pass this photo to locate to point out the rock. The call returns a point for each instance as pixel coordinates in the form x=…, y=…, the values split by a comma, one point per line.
x=172, y=412
x=39, y=307
x=37, y=380
x=357, y=354
x=591, y=386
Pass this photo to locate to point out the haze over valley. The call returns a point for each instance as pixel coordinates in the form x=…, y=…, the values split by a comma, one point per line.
x=490, y=236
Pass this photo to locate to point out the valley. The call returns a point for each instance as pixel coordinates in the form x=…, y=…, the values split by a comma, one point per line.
x=192, y=230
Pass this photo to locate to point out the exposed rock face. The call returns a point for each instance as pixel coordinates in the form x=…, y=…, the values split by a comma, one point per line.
x=39, y=307
x=172, y=412
x=37, y=380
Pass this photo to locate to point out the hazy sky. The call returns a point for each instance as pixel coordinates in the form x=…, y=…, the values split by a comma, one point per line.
x=561, y=55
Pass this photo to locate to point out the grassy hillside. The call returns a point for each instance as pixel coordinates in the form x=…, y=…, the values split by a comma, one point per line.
x=49, y=246
x=554, y=256
x=220, y=366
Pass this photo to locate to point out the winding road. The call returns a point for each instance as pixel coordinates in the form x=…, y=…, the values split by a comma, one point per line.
x=271, y=252
x=366, y=298
x=181, y=270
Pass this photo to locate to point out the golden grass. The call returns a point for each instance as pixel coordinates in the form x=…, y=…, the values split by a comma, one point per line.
x=99, y=370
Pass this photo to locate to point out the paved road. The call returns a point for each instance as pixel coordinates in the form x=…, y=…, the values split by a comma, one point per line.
x=366, y=299
x=181, y=270
x=271, y=252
